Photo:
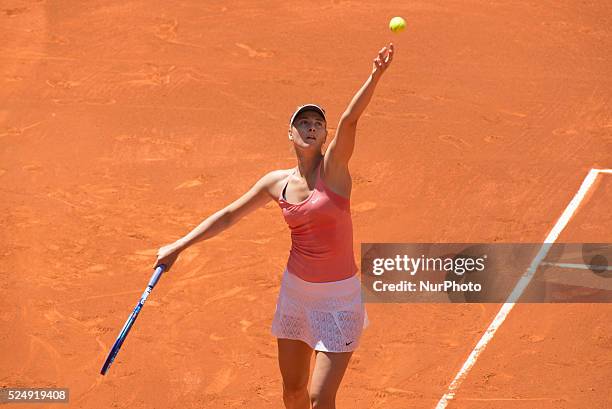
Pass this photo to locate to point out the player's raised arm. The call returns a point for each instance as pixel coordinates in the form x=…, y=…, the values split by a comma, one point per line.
x=341, y=147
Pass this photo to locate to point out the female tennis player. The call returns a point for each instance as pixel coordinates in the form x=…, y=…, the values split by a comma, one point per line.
x=319, y=307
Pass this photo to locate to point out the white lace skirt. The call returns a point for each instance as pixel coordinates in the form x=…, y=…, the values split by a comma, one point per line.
x=329, y=316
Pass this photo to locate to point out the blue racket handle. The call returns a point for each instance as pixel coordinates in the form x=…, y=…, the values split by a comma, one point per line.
x=155, y=277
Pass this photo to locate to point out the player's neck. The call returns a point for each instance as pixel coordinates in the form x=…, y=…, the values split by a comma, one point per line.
x=307, y=165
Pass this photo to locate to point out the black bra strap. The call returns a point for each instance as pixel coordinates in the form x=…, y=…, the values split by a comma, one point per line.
x=287, y=184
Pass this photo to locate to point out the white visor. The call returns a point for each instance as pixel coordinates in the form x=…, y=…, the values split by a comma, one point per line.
x=307, y=107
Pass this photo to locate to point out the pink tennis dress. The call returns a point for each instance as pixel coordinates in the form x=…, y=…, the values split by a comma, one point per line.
x=320, y=296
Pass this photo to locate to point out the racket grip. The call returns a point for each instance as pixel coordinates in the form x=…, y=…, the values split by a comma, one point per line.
x=155, y=277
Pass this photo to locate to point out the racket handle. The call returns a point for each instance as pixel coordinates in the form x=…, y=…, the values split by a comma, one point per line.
x=156, y=275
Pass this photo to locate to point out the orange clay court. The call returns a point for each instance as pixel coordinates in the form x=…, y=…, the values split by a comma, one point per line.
x=124, y=124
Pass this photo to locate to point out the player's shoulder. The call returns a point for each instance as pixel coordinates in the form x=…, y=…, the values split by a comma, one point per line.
x=276, y=176
x=273, y=181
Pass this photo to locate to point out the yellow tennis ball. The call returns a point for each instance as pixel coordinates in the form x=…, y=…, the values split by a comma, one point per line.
x=397, y=24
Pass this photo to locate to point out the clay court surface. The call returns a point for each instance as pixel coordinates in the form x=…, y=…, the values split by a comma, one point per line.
x=124, y=125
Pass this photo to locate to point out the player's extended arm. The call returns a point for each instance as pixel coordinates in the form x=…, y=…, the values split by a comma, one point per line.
x=341, y=147
x=255, y=198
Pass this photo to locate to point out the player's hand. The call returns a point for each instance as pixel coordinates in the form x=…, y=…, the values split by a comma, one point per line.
x=167, y=255
x=382, y=60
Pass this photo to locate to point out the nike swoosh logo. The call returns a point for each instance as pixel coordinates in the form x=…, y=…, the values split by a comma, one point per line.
x=349, y=343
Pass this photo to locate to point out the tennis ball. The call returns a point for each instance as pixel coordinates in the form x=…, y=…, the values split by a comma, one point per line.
x=397, y=24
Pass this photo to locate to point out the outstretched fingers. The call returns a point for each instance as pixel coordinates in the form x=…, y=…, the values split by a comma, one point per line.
x=383, y=59
x=389, y=57
x=385, y=56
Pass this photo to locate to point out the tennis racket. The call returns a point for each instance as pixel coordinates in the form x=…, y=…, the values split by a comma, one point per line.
x=131, y=319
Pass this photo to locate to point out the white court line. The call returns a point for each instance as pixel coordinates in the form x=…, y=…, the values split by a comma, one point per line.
x=577, y=266
x=520, y=286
